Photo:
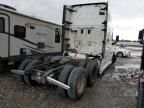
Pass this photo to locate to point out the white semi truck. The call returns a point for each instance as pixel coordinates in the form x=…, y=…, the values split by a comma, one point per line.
x=87, y=52
x=22, y=36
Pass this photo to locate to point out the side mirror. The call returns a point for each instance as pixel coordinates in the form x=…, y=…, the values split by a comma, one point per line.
x=117, y=38
x=140, y=37
x=20, y=32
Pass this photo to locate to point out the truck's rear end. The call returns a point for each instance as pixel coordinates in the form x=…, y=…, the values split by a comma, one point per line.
x=84, y=29
x=86, y=40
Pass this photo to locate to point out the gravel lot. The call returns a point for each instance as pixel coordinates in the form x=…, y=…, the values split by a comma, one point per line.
x=115, y=89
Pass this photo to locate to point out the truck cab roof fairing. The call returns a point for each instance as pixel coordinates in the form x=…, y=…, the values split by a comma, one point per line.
x=85, y=22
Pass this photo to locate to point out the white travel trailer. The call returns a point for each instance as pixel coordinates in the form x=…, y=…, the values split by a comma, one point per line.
x=87, y=51
x=22, y=35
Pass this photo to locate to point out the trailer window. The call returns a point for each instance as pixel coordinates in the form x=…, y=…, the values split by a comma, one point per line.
x=41, y=45
x=57, y=35
x=89, y=31
x=19, y=31
x=2, y=25
x=82, y=31
x=32, y=27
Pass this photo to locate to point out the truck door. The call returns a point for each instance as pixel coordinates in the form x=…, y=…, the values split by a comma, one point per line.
x=108, y=53
x=108, y=49
x=4, y=38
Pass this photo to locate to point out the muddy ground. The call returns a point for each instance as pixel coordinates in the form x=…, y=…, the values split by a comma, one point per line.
x=115, y=89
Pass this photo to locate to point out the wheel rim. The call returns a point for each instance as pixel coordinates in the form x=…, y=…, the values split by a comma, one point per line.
x=81, y=84
x=120, y=55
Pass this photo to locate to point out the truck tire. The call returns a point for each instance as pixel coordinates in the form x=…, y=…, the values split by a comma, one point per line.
x=92, y=73
x=47, y=59
x=98, y=65
x=119, y=54
x=64, y=76
x=27, y=76
x=23, y=64
x=77, y=82
x=22, y=67
x=83, y=63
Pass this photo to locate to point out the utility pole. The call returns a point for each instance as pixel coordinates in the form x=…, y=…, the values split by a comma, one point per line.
x=140, y=97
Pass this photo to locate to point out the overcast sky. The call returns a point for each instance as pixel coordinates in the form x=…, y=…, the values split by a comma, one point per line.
x=127, y=15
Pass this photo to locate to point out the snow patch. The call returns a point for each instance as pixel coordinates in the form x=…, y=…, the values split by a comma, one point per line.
x=126, y=72
x=132, y=83
x=128, y=66
x=136, y=54
x=116, y=76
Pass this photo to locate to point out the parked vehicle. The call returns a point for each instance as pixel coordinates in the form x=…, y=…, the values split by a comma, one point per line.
x=87, y=52
x=122, y=52
x=23, y=36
